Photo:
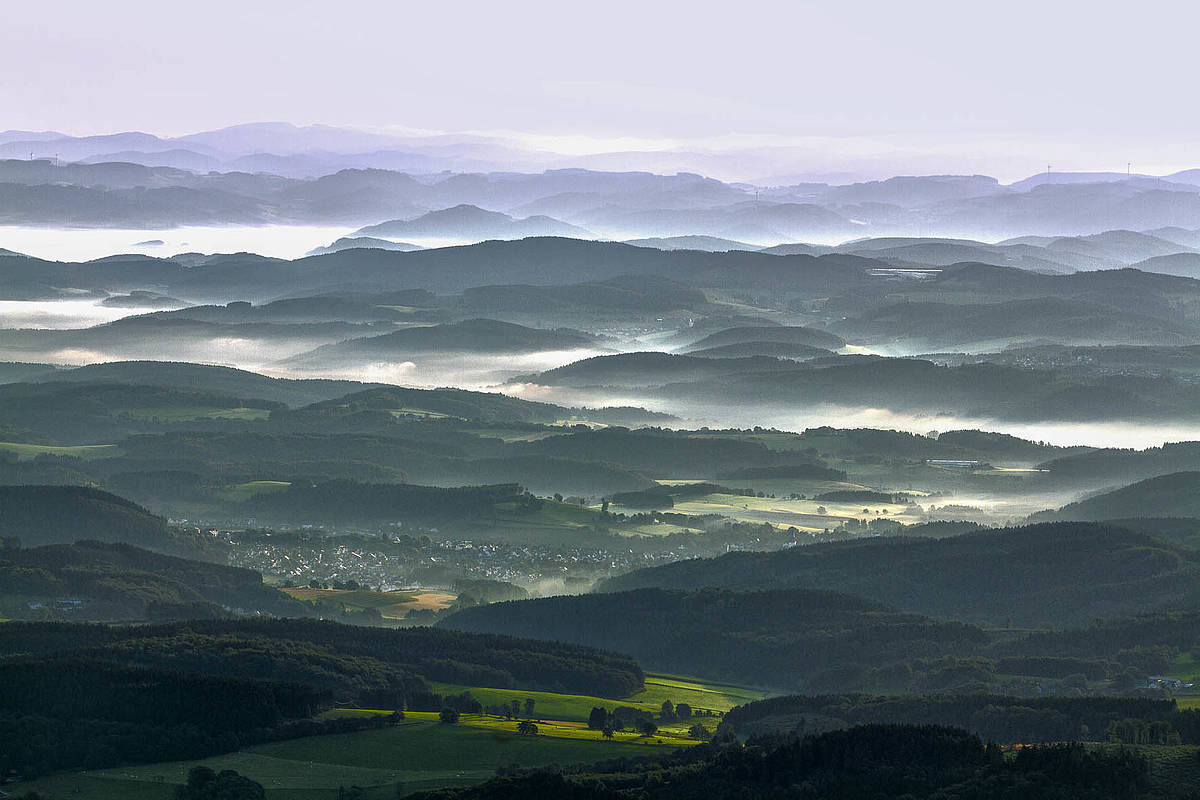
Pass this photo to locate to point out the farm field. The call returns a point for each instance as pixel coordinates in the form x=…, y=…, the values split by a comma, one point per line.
x=86, y=452
x=783, y=513
x=547, y=727
x=390, y=604
x=187, y=413
x=244, y=491
x=417, y=755
x=575, y=708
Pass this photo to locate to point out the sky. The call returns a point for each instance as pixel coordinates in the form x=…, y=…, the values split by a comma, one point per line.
x=1088, y=85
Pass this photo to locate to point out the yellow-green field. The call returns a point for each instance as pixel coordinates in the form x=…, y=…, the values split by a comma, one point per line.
x=547, y=727
x=575, y=708
x=86, y=452
x=784, y=513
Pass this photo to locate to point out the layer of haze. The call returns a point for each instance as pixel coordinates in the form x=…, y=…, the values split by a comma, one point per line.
x=1002, y=88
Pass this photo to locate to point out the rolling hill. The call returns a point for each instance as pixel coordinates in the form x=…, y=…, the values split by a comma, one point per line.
x=467, y=221
x=1173, y=495
x=790, y=638
x=1053, y=573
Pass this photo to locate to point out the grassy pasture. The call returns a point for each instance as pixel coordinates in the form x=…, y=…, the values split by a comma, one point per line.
x=418, y=754
x=86, y=452
x=782, y=513
x=244, y=491
x=188, y=413
x=550, y=516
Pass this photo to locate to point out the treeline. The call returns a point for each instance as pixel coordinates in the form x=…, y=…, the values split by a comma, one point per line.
x=992, y=717
x=441, y=655
x=873, y=761
x=348, y=500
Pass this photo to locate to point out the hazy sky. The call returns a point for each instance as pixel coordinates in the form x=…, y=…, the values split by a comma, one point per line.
x=1092, y=83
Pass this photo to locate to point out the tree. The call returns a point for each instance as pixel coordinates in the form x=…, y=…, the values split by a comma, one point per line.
x=647, y=727
x=598, y=718
x=448, y=715
x=668, y=710
x=529, y=706
x=609, y=730
x=527, y=728
x=698, y=731
x=683, y=711
x=204, y=784
x=516, y=708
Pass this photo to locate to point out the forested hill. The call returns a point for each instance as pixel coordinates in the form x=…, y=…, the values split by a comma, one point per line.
x=38, y=515
x=444, y=655
x=92, y=696
x=785, y=639
x=1060, y=574
x=108, y=581
x=1174, y=495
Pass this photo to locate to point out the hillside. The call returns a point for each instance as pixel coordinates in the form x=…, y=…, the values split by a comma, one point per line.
x=368, y=242
x=1053, y=573
x=208, y=378
x=1185, y=265
x=42, y=515
x=470, y=336
x=936, y=325
x=467, y=221
x=780, y=334
x=122, y=582
x=782, y=639
x=1173, y=495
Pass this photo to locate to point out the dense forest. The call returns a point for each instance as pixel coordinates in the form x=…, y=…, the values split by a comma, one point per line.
x=784, y=639
x=187, y=690
x=1006, y=720
x=1041, y=574
x=867, y=761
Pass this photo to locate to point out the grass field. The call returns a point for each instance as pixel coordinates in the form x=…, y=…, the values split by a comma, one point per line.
x=783, y=513
x=551, y=516
x=85, y=452
x=1185, y=668
x=186, y=413
x=244, y=491
x=390, y=604
x=418, y=755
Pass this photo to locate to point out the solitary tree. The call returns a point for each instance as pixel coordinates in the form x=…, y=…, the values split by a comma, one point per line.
x=698, y=731
x=527, y=728
x=448, y=715
x=647, y=727
x=529, y=706
x=668, y=710
x=683, y=711
x=597, y=719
